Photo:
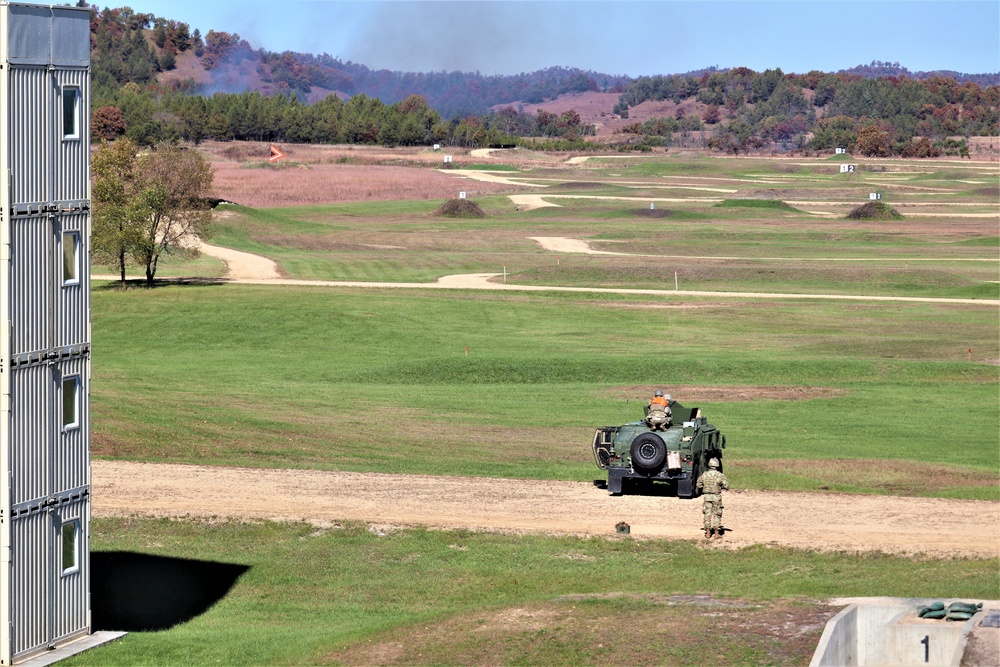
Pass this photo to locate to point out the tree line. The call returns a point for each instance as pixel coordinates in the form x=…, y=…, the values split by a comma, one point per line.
x=742, y=109
x=880, y=116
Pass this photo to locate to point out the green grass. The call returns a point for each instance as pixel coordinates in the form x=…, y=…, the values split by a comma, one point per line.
x=774, y=204
x=315, y=596
x=315, y=378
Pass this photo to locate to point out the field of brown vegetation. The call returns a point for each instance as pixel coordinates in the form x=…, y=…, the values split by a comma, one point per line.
x=315, y=174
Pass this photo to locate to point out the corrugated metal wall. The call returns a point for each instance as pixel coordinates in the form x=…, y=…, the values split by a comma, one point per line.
x=32, y=98
x=31, y=547
x=44, y=368
x=72, y=157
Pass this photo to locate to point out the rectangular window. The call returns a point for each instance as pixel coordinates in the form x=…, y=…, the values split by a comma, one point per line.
x=71, y=258
x=71, y=402
x=70, y=547
x=71, y=113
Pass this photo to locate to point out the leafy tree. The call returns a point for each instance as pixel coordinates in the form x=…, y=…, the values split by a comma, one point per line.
x=107, y=123
x=146, y=205
x=873, y=141
x=120, y=205
x=711, y=114
x=176, y=183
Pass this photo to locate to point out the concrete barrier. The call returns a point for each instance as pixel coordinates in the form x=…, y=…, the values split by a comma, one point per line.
x=891, y=634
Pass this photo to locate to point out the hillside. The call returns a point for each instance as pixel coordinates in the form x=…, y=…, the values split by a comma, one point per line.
x=156, y=79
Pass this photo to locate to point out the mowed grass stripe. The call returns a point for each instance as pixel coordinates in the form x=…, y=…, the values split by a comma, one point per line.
x=299, y=377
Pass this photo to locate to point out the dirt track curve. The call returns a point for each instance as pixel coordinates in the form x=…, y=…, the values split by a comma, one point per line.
x=830, y=522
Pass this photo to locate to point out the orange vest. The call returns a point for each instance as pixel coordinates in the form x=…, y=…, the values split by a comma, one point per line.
x=658, y=401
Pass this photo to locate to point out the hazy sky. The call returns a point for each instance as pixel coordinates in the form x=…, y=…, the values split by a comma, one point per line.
x=611, y=36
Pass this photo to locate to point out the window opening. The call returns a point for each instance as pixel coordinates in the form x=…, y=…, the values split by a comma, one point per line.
x=71, y=113
x=71, y=258
x=71, y=402
x=70, y=547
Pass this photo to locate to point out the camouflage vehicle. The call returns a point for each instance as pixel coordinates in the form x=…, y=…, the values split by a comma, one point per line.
x=675, y=453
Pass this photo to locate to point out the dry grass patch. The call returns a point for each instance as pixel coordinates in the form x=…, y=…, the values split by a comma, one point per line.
x=333, y=183
x=690, y=394
x=607, y=630
x=908, y=478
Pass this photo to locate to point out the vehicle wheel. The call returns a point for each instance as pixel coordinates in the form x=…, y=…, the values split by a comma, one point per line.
x=648, y=452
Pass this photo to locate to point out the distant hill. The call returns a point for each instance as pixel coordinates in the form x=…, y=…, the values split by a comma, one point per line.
x=879, y=69
x=156, y=79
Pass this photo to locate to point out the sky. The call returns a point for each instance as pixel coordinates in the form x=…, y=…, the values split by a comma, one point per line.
x=610, y=36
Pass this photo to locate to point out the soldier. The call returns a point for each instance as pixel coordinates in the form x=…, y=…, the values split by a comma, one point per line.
x=711, y=484
x=658, y=412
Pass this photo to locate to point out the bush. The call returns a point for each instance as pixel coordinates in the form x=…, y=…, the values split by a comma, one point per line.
x=460, y=208
x=874, y=210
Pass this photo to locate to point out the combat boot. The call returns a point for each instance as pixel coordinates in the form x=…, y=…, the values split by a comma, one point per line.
x=708, y=533
x=718, y=533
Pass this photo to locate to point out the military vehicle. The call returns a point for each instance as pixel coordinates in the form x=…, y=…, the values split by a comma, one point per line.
x=676, y=452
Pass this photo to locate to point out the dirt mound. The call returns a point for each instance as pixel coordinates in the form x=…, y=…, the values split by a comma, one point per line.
x=874, y=210
x=460, y=208
x=987, y=192
x=651, y=213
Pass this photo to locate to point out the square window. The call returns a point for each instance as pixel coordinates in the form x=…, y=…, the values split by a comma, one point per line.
x=70, y=547
x=71, y=402
x=71, y=256
x=71, y=113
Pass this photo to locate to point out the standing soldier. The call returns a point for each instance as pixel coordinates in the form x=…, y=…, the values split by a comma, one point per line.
x=711, y=484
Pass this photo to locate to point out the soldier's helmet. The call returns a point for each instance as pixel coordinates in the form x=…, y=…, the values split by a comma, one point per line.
x=658, y=393
x=668, y=397
x=713, y=463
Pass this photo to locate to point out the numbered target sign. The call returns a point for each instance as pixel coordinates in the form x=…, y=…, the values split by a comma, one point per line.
x=447, y=158
x=461, y=195
x=874, y=195
x=841, y=151
x=437, y=147
x=845, y=168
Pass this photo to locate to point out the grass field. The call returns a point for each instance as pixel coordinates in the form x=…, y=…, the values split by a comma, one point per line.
x=348, y=595
x=313, y=377
x=822, y=396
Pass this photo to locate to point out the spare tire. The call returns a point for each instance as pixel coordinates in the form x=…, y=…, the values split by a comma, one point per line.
x=648, y=452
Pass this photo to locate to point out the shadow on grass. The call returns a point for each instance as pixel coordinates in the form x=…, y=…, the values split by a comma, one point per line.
x=140, y=592
x=140, y=283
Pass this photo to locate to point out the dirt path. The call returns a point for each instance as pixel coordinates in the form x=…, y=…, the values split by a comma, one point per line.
x=241, y=264
x=565, y=245
x=939, y=527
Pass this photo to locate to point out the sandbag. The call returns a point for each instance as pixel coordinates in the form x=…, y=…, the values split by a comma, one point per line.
x=958, y=616
x=939, y=613
x=932, y=607
x=965, y=607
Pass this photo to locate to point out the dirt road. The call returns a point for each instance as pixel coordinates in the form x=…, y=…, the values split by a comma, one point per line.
x=938, y=527
x=565, y=245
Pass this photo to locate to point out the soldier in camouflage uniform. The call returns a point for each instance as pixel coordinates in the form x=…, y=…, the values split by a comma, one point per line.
x=712, y=484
